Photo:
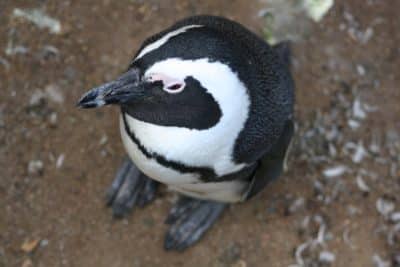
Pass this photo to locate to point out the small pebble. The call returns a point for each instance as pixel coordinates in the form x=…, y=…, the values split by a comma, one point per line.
x=54, y=93
x=361, y=70
x=44, y=243
x=395, y=217
x=103, y=140
x=326, y=257
x=36, y=98
x=35, y=167
x=53, y=119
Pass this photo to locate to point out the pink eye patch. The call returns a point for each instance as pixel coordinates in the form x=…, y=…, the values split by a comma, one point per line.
x=170, y=84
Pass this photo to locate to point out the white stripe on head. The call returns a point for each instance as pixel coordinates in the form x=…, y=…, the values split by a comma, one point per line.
x=211, y=147
x=164, y=39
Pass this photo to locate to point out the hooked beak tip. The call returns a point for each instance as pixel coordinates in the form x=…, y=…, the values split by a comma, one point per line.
x=87, y=101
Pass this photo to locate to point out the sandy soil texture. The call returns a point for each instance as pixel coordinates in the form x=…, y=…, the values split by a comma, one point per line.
x=338, y=205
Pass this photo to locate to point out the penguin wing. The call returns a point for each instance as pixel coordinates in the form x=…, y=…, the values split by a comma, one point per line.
x=272, y=163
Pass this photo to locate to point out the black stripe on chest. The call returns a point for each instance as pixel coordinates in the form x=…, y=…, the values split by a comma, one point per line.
x=205, y=173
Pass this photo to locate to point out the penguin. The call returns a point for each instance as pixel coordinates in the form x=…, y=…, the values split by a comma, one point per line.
x=206, y=109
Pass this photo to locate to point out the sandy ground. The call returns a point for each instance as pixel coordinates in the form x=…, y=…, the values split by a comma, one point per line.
x=338, y=205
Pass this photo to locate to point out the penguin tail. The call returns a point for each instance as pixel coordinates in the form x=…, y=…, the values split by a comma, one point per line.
x=282, y=49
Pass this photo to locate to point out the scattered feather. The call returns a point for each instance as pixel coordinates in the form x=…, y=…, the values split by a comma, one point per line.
x=384, y=206
x=358, y=111
x=335, y=171
x=346, y=238
x=60, y=161
x=359, y=153
x=39, y=18
x=379, y=262
x=362, y=185
x=353, y=124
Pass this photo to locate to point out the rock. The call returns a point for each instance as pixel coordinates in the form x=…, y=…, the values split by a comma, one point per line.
x=360, y=70
x=103, y=140
x=395, y=217
x=53, y=93
x=53, y=119
x=36, y=98
x=44, y=243
x=326, y=257
x=35, y=167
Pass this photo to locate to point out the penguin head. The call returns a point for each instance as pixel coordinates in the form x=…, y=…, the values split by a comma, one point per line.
x=177, y=79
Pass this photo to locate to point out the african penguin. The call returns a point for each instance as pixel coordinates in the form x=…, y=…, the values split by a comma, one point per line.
x=206, y=108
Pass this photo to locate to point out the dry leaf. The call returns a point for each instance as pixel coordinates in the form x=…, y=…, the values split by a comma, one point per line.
x=30, y=245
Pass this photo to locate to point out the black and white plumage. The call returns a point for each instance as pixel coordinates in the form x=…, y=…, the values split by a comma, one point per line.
x=206, y=108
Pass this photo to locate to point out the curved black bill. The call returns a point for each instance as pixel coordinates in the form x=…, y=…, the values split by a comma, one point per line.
x=122, y=90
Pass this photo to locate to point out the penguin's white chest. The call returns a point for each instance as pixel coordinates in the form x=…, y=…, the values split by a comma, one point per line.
x=177, y=146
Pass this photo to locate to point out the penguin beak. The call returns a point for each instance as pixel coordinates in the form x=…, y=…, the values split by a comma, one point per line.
x=127, y=88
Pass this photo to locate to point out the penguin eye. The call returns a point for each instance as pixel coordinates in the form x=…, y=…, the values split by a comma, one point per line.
x=174, y=88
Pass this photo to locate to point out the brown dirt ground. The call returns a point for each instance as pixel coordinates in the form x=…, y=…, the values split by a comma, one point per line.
x=64, y=206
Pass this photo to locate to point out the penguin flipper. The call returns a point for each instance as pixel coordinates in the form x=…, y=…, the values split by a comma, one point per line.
x=282, y=49
x=272, y=164
x=130, y=188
